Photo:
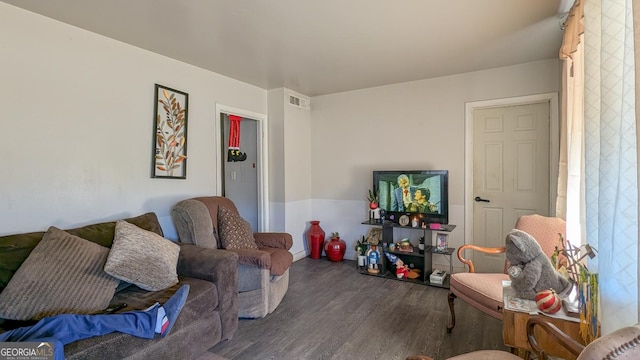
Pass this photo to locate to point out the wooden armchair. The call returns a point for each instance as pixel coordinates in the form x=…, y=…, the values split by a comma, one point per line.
x=621, y=344
x=483, y=291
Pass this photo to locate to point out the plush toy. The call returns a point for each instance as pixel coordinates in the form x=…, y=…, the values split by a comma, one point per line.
x=402, y=270
x=529, y=269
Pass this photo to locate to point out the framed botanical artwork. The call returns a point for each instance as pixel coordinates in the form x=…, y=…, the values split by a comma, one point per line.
x=169, y=157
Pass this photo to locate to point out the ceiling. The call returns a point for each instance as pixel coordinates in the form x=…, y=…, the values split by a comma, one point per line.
x=320, y=47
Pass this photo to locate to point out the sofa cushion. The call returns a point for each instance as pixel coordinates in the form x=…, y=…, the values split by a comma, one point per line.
x=63, y=274
x=235, y=232
x=486, y=355
x=196, y=329
x=143, y=258
x=103, y=233
x=194, y=225
x=14, y=249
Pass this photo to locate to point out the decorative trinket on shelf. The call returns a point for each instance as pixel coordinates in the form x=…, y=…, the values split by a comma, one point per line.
x=404, y=245
x=548, y=301
x=442, y=242
x=373, y=256
x=402, y=270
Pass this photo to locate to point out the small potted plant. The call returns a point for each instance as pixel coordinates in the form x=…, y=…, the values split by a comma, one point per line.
x=361, y=250
x=335, y=247
x=374, y=199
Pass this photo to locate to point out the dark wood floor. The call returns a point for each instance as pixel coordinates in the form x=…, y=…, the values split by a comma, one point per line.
x=333, y=312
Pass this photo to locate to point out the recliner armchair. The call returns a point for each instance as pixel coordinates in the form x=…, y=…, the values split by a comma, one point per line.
x=483, y=291
x=263, y=274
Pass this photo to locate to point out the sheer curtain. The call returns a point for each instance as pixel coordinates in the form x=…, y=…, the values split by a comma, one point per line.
x=610, y=159
x=570, y=200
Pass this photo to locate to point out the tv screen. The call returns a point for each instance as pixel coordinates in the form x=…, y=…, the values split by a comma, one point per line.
x=417, y=193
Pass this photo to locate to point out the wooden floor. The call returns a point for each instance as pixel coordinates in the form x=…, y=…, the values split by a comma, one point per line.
x=333, y=312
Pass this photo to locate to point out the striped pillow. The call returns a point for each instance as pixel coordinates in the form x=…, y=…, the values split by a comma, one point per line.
x=63, y=274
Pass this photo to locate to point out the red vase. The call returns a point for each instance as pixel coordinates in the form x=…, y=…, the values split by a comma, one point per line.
x=316, y=239
x=335, y=249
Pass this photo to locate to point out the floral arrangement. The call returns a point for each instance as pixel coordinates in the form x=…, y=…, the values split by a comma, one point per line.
x=586, y=284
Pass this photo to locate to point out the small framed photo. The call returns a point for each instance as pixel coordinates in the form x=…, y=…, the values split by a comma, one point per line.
x=442, y=242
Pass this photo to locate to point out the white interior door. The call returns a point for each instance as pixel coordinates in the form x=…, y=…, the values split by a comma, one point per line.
x=510, y=173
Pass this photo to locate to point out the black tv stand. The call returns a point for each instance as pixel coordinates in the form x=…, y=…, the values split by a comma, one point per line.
x=423, y=260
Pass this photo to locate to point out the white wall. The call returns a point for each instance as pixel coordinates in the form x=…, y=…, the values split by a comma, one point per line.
x=414, y=125
x=289, y=139
x=77, y=126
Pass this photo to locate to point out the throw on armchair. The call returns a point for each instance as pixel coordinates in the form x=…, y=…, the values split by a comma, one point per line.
x=264, y=258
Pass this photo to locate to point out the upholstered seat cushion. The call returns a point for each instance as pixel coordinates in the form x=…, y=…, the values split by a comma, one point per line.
x=482, y=291
x=203, y=298
x=486, y=355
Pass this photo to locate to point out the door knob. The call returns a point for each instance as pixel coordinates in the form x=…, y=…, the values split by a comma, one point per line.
x=479, y=199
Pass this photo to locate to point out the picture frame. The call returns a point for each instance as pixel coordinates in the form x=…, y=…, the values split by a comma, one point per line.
x=442, y=242
x=169, y=151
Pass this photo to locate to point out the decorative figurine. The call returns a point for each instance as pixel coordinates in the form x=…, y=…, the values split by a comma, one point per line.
x=373, y=255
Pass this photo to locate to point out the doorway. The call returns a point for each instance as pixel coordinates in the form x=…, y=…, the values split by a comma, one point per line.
x=243, y=181
x=511, y=166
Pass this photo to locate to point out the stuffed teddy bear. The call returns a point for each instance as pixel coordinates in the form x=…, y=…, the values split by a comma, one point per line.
x=530, y=270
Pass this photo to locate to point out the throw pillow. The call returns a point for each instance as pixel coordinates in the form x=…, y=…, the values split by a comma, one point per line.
x=143, y=258
x=63, y=274
x=235, y=232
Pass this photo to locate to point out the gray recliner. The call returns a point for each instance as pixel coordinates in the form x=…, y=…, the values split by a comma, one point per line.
x=263, y=274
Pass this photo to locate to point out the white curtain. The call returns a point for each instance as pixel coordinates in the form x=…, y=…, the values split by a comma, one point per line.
x=610, y=162
x=570, y=199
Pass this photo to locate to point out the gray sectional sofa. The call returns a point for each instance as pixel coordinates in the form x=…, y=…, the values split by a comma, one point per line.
x=209, y=316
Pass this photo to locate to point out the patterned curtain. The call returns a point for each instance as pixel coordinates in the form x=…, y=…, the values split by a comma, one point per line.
x=610, y=165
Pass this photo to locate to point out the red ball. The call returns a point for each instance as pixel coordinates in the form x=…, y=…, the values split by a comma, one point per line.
x=548, y=301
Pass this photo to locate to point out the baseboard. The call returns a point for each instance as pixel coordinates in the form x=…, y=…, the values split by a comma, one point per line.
x=299, y=255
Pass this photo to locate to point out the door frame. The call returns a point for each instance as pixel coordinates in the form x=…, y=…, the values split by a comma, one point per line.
x=263, y=158
x=554, y=151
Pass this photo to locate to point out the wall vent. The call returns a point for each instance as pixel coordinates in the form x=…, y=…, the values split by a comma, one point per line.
x=299, y=102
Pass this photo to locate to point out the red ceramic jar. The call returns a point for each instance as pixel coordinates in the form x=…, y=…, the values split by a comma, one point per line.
x=335, y=249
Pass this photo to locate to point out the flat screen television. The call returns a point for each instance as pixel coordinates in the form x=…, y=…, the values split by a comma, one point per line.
x=419, y=194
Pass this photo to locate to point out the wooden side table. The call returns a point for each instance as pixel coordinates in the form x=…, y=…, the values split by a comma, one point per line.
x=514, y=333
x=514, y=326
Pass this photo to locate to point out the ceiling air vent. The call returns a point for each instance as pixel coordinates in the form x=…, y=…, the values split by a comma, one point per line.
x=299, y=102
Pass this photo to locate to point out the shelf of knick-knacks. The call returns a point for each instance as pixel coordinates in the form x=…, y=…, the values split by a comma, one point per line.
x=421, y=259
